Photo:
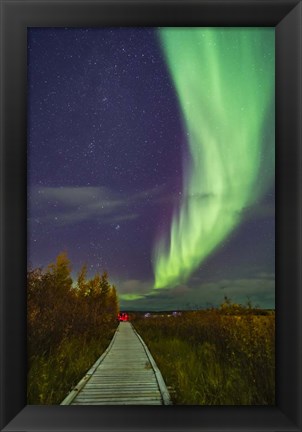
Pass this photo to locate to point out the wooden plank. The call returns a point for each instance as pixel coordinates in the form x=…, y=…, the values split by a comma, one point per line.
x=121, y=392
x=119, y=395
x=116, y=389
x=71, y=396
x=129, y=402
x=114, y=395
x=132, y=385
x=160, y=380
x=126, y=374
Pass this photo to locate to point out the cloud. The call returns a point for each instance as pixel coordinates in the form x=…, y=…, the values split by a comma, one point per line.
x=70, y=205
x=181, y=290
x=75, y=196
x=259, y=211
x=240, y=289
x=134, y=286
x=178, y=197
x=265, y=275
x=260, y=289
x=132, y=290
x=131, y=297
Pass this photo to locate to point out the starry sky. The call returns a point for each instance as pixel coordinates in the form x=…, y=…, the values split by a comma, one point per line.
x=151, y=156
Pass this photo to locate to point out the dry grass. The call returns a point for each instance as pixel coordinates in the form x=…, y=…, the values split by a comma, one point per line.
x=222, y=356
x=69, y=327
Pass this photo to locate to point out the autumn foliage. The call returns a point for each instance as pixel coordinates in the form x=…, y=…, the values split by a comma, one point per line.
x=220, y=356
x=69, y=326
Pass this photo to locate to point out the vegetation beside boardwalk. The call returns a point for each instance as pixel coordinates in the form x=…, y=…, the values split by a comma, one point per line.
x=219, y=356
x=69, y=327
x=223, y=356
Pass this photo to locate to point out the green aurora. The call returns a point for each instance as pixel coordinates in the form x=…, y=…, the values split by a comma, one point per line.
x=224, y=79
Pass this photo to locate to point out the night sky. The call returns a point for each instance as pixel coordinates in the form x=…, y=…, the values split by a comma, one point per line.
x=151, y=156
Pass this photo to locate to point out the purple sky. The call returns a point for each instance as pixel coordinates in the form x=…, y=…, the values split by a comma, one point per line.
x=105, y=148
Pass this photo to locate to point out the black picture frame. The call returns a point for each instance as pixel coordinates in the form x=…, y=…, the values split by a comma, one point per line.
x=16, y=16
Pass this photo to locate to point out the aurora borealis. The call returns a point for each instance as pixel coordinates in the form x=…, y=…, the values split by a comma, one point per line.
x=151, y=156
x=225, y=85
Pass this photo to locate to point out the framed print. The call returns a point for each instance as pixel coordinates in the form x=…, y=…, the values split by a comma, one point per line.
x=111, y=172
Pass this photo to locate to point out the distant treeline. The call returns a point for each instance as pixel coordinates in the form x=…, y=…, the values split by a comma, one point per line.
x=69, y=326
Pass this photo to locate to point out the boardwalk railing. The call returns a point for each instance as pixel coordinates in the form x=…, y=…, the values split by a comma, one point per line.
x=125, y=374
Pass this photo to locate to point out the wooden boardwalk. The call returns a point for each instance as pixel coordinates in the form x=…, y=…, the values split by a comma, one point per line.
x=126, y=374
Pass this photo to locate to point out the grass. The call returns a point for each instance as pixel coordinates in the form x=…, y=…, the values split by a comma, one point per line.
x=51, y=376
x=214, y=358
x=69, y=325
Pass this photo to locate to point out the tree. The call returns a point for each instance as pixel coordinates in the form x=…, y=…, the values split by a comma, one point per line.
x=94, y=286
x=114, y=304
x=105, y=290
x=60, y=272
x=57, y=311
x=81, y=281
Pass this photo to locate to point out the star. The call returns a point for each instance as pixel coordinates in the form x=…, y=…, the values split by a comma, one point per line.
x=106, y=139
